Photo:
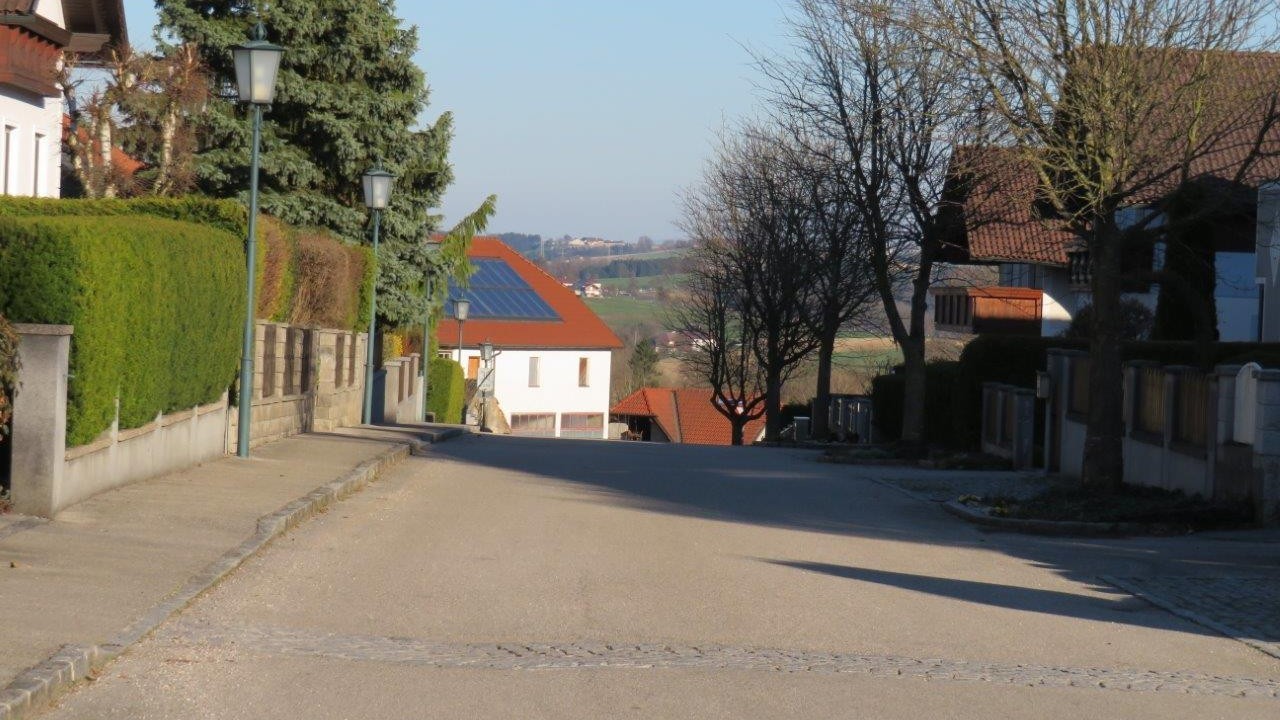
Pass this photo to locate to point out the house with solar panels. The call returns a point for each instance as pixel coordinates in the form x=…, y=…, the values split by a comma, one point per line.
x=551, y=368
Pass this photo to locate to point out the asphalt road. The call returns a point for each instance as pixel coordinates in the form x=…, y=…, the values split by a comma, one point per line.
x=504, y=578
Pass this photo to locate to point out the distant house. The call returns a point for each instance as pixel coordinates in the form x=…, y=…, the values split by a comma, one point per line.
x=593, y=290
x=1044, y=273
x=33, y=36
x=552, y=370
x=679, y=415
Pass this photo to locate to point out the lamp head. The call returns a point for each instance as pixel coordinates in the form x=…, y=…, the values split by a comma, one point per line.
x=257, y=63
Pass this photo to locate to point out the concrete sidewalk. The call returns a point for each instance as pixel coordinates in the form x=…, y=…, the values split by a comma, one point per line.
x=103, y=572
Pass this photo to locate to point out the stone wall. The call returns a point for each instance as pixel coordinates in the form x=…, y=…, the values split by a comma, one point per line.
x=304, y=380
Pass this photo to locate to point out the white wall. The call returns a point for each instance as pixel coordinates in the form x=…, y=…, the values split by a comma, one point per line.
x=558, y=390
x=1059, y=302
x=24, y=116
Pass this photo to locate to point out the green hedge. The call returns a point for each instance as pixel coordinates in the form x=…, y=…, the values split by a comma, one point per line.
x=887, y=399
x=226, y=215
x=446, y=390
x=157, y=304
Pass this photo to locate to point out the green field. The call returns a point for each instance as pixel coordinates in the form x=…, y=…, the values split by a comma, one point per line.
x=622, y=314
x=651, y=282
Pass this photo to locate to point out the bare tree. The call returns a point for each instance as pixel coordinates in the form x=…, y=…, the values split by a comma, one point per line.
x=752, y=215
x=843, y=282
x=722, y=348
x=864, y=79
x=1114, y=106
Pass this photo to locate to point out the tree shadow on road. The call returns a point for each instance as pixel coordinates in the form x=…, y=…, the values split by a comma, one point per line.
x=782, y=488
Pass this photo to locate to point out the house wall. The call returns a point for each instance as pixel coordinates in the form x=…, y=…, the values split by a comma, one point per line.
x=22, y=118
x=1267, y=259
x=558, y=390
x=1059, y=302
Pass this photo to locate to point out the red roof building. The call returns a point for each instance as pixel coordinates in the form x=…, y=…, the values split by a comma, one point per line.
x=680, y=415
x=551, y=369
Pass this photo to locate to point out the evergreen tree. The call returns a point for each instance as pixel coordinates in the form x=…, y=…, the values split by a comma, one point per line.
x=348, y=96
x=643, y=364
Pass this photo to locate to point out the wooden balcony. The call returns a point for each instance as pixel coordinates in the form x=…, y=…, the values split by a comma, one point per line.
x=988, y=310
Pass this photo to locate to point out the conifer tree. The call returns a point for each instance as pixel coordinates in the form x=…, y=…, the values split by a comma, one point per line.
x=348, y=96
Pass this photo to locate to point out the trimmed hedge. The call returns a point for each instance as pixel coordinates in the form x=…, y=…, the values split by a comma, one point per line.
x=157, y=304
x=278, y=277
x=940, y=384
x=446, y=391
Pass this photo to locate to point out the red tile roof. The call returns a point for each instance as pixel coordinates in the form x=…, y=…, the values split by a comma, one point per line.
x=686, y=415
x=999, y=210
x=1000, y=217
x=578, y=327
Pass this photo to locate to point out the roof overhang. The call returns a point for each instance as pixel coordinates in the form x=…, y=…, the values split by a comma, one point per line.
x=95, y=25
x=36, y=25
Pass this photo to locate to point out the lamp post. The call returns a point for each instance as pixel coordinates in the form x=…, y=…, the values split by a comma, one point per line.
x=257, y=62
x=486, y=360
x=461, y=308
x=377, y=195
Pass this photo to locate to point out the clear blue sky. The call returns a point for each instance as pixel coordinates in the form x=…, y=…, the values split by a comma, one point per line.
x=585, y=117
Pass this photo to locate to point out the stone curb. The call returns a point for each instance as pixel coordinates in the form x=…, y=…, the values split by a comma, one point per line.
x=38, y=687
x=1168, y=605
x=1045, y=527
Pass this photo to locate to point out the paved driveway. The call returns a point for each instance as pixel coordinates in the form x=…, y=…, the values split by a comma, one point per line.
x=531, y=578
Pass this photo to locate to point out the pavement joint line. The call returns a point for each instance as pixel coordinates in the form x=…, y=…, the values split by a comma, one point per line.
x=1175, y=608
x=38, y=687
x=543, y=656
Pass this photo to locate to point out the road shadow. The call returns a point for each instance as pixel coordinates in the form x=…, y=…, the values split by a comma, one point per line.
x=1118, y=607
x=787, y=488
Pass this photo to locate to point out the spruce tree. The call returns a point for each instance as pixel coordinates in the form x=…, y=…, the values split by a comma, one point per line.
x=348, y=96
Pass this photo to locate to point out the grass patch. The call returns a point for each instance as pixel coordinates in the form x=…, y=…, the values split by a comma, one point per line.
x=1131, y=504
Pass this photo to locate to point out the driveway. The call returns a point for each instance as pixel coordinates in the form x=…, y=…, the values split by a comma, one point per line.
x=504, y=577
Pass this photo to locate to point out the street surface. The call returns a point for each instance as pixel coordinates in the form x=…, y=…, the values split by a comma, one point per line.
x=512, y=578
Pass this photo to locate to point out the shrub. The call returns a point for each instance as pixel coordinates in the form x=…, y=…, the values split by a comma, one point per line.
x=446, y=390
x=333, y=281
x=277, y=270
x=8, y=373
x=157, y=307
x=887, y=393
x=226, y=215
x=1136, y=321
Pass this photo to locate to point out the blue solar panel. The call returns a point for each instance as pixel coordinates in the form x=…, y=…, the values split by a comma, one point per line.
x=498, y=292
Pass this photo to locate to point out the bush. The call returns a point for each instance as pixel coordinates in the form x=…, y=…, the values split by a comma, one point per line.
x=1136, y=321
x=333, y=281
x=338, y=288
x=446, y=390
x=8, y=373
x=887, y=394
x=157, y=306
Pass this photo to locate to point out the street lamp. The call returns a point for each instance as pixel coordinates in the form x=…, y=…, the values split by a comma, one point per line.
x=257, y=62
x=377, y=195
x=461, y=308
x=486, y=359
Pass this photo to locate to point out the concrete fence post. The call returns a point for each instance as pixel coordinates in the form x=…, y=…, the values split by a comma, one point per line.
x=1266, y=446
x=40, y=418
x=1224, y=430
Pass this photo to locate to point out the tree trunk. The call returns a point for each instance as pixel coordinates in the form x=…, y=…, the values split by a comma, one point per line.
x=822, y=394
x=738, y=425
x=773, y=406
x=1103, y=451
x=913, y=395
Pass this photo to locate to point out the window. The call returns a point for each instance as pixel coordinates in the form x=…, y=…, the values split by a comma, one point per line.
x=533, y=424
x=37, y=164
x=6, y=159
x=588, y=426
x=584, y=372
x=535, y=377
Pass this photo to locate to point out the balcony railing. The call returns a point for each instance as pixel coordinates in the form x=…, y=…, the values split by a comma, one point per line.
x=988, y=310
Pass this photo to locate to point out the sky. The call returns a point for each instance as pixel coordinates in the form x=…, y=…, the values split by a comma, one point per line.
x=584, y=117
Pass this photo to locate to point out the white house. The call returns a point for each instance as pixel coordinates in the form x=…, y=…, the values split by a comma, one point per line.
x=551, y=370
x=33, y=35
